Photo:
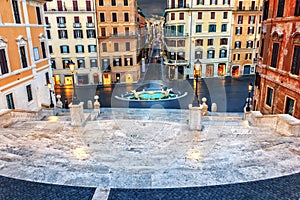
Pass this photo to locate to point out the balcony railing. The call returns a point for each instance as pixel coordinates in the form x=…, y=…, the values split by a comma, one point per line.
x=90, y=25
x=77, y=25
x=61, y=25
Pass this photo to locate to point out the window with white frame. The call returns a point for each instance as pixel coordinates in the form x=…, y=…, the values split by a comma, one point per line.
x=10, y=101
x=237, y=44
x=251, y=30
x=236, y=56
x=15, y=5
x=81, y=63
x=91, y=33
x=43, y=45
x=64, y=49
x=93, y=62
x=4, y=64
x=79, y=48
x=92, y=48
x=198, y=54
x=29, y=93
x=211, y=54
x=223, y=53
x=238, y=30
x=249, y=44
x=22, y=51
x=78, y=34
x=62, y=34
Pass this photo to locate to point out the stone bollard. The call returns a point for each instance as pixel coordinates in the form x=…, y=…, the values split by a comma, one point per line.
x=214, y=107
x=204, y=106
x=89, y=104
x=195, y=118
x=76, y=113
x=59, y=102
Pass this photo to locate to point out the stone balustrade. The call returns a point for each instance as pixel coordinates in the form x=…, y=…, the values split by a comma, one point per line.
x=284, y=124
x=9, y=117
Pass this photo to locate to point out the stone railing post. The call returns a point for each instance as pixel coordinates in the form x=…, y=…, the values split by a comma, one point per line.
x=77, y=114
x=96, y=104
x=59, y=102
x=195, y=118
x=204, y=107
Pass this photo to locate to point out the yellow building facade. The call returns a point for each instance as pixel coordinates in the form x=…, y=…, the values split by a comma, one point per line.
x=71, y=31
x=246, y=29
x=24, y=58
x=118, y=27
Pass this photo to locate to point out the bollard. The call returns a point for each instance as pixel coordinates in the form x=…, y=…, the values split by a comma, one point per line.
x=214, y=107
x=89, y=104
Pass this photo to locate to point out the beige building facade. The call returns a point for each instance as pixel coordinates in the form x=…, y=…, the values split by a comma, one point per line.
x=117, y=26
x=197, y=38
x=72, y=35
x=246, y=29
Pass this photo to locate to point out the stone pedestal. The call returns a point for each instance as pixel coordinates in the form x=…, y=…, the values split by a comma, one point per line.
x=195, y=118
x=77, y=114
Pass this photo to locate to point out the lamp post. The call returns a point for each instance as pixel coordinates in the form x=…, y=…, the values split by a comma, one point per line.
x=196, y=75
x=72, y=69
x=250, y=86
x=50, y=91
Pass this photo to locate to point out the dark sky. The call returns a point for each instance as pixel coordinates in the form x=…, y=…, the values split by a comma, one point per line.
x=152, y=7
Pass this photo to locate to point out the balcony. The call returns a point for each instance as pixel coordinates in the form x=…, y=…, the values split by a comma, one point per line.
x=176, y=62
x=124, y=35
x=77, y=25
x=90, y=25
x=176, y=35
x=62, y=25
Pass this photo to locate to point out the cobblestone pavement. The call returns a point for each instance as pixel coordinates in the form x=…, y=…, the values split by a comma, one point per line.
x=148, y=149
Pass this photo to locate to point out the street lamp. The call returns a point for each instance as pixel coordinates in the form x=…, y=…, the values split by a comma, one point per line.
x=196, y=75
x=250, y=86
x=50, y=91
x=72, y=69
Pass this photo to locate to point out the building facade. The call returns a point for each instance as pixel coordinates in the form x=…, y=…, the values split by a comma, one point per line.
x=24, y=58
x=71, y=31
x=277, y=83
x=197, y=31
x=118, y=40
x=246, y=29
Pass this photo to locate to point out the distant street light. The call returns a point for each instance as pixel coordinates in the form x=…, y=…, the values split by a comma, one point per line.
x=49, y=85
x=250, y=87
x=197, y=66
x=72, y=69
